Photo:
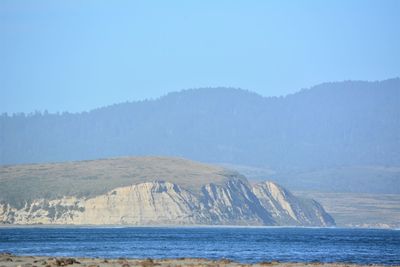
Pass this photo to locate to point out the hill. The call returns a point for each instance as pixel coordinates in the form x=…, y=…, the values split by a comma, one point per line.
x=21, y=183
x=148, y=190
x=329, y=126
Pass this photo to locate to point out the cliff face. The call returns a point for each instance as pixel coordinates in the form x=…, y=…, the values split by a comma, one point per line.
x=286, y=209
x=165, y=203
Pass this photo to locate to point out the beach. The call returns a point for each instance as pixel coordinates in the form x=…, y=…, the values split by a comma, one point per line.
x=10, y=260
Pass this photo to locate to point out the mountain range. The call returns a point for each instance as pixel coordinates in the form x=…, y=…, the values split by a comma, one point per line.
x=343, y=127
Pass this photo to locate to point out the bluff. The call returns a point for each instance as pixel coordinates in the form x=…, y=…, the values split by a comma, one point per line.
x=152, y=191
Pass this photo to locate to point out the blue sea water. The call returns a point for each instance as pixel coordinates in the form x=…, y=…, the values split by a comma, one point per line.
x=364, y=246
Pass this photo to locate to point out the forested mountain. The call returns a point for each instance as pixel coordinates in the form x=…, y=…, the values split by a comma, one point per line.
x=334, y=124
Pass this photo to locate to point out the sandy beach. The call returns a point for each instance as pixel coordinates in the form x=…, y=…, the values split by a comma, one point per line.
x=9, y=260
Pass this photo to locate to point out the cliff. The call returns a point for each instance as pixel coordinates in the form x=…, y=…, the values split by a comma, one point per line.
x=287, y=209
x=223, y=199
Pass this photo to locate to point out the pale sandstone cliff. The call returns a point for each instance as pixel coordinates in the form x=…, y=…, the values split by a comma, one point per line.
x=287, y=209
x=165, y=203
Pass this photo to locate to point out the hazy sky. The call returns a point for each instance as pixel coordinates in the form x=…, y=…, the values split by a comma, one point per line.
x=78, y=55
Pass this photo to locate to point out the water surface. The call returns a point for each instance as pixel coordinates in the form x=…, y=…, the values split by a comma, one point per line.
x=364, y=246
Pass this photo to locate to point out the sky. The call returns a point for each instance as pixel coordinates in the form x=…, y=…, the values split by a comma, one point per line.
x=79, y=55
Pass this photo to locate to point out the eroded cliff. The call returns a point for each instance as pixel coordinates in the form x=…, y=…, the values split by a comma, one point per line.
x=165, y=203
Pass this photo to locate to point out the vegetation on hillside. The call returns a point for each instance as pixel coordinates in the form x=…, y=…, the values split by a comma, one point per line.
x=22, y=183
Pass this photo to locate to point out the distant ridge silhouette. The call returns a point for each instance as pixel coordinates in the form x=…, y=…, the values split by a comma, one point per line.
x=332, y=124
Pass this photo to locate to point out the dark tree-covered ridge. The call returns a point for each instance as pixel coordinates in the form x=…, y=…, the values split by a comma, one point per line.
x=329, y=125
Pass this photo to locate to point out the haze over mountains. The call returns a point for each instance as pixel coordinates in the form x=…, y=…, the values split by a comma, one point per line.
x=334, y=126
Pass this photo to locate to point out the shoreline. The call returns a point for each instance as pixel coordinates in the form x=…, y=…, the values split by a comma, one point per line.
x=11, y=260
x=188, y=226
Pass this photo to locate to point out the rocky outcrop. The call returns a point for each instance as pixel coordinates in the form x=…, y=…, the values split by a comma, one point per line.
x=286, y=209
x=165, y=203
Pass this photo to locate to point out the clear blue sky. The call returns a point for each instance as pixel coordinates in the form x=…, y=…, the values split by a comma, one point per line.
x=79, y=55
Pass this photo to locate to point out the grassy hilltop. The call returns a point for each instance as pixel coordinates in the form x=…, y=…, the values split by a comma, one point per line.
x=20, y=183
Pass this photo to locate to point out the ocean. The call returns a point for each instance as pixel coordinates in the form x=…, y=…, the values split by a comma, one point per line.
x=242, y=244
